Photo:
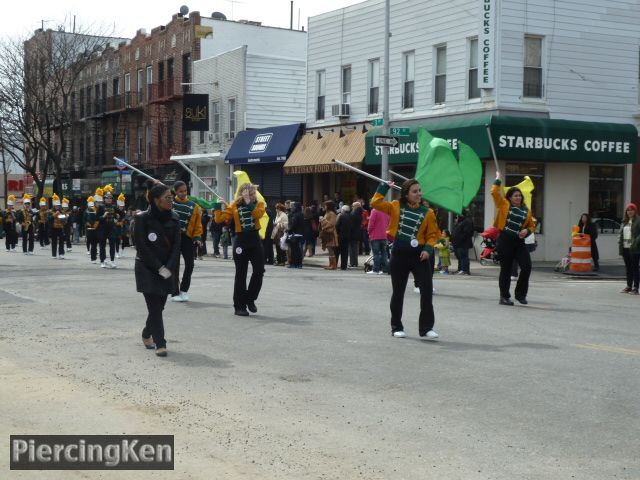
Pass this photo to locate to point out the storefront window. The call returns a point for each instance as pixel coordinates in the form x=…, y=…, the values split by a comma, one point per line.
x=605, y=196
x=515, y=174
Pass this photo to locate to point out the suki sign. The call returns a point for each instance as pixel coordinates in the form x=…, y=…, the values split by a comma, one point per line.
x=486, y=44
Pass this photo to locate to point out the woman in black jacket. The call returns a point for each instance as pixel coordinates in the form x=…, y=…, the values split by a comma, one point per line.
x=157, y=240
x=296, y=234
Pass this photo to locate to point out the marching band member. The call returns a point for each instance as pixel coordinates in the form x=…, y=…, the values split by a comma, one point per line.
x=414, y=229
x=57, y=220
x=25, y=218
x=121, y=226
x=190, y=215
x=43, y=226
x=9, y=224
x=246, y=212
x=90, y=225
x=67, y=226
x=107, y=216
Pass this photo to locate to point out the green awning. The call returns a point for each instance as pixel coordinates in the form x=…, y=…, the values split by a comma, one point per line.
x=522, y=138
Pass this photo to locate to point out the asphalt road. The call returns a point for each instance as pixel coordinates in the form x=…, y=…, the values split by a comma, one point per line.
x=314, y=386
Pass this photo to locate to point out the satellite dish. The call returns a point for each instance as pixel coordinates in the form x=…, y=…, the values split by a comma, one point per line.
x=218, y=16
x=184, y=10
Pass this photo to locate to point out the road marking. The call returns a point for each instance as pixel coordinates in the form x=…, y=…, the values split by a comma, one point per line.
x=609, y=348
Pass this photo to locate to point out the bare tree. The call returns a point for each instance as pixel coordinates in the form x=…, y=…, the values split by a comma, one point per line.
x=38, y=80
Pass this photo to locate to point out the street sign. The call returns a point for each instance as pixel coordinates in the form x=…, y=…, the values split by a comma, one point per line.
x=120, y=165
x=399, y=131
x=382, y=141
x=377, y=122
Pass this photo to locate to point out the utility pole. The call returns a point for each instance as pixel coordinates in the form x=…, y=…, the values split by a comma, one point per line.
x=384, y=174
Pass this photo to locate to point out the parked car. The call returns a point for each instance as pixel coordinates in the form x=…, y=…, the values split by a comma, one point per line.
x=606, y=225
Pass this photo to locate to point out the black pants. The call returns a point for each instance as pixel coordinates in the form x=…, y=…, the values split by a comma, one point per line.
x=102, y=242
x=27, y=239
x=353, y=252
x=92, y=243
x=43, y=235
x=67, y=235
x=405, y=259
x=57, y=241
x=267, y=246
x=632, y=268
x=513, y=249
x=11, y=236
x=281, y=255
x=343, y=246
x=186, y=250
x=248, y=248
x=155, y=325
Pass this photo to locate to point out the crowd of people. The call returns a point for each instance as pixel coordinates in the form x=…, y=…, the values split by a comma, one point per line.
x=401, y=238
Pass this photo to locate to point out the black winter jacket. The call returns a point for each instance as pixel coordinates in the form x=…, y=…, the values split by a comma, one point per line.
x=157, y=240
x=462, y=234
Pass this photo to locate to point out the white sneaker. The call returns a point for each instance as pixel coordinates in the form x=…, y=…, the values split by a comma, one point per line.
x=514, y=278
x=399, y=334
x=117, y=255
x=431, y=335
x=380, y=272
x=88, y=252
x=177, y=298
x=69, y=250
x=184, y=296
x=61, y=257
x=371, y=272
x=94, y=261
x=416, y=290
x=113, y=265
x=102, y=265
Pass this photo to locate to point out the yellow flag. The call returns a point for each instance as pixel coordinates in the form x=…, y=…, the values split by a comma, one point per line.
x=242, y=177
x=526, y=187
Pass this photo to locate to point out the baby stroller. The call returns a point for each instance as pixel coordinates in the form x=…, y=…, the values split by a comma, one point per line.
x=489, y=255
x=368, y=263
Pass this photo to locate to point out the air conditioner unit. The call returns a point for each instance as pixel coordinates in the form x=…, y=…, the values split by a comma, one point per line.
x=340, y=110
x=230, y=135
x=214, y=137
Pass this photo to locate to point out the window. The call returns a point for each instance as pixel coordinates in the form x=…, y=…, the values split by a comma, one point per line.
x=149, y=80
x=605, y=196
x=473, y=91
x=88, y=101
x=201, y=137
x=374, y=86
x=232, y=117
x=140, y=144
x=346, y=84
x=215, y=120
x=140, y=85
x=148, y=151
x=116, y=86
x=532, y=87
x=186, y=72
x=408, y=75
x=127, y=82
x=441, y=75
x=515, y=174
x=81, y=104
x=321, y=77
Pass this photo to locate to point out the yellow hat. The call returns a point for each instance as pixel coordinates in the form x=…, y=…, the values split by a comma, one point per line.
x=91, y=201
x=56, y=199
x=43, y=202
x=11, y=200
x=108, y=190
x=65, y=202
x=121, y=197
x=99, y=194
x=26, y=198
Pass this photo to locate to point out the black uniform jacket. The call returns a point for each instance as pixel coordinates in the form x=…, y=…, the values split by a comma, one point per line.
x=157, y=239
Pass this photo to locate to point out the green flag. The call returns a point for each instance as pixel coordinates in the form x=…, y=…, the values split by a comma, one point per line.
x=471, y=169
x=203, y=203
x=438, y=172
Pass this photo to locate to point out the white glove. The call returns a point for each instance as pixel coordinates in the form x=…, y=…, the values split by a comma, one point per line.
x=164, y=272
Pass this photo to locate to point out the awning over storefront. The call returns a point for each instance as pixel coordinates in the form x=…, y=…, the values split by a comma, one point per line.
x=264, y=145
x=522, y=138
x=197, y=158
x=315, y=152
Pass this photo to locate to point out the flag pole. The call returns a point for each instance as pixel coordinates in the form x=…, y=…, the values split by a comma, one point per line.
x=493, y=148
x=396, y=174
x=363, y=173
x=119, y=160
x=199, y=179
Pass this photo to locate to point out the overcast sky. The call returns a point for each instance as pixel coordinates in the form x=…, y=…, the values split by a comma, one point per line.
x=122, y=18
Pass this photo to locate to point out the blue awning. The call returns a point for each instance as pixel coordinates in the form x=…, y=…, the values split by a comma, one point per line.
x=264, y=145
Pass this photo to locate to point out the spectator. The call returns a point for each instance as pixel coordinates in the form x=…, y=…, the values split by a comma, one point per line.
x=356, y=233
x=343, y=228
x=328, y=234
x=586, y=227
x=462, y=241
x=629, y=244
x=280, y=227
x=296, y=234
x=310, y=232
x=377, y=230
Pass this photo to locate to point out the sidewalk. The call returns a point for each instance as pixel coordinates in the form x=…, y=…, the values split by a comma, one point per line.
x=609, y=269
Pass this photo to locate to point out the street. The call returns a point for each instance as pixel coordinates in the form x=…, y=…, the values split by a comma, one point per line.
x=313, y=386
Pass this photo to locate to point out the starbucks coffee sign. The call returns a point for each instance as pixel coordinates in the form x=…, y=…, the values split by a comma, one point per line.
x=487, y=44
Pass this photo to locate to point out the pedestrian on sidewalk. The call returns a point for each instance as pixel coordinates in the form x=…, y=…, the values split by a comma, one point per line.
x=515, y=222
x=280, y=226
x=586, y=227
x=462, y=241
x=157, y=239
x=414, y=230
x=377, y=230
x=629, y=246
x=328, y=233
x=343, y=228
